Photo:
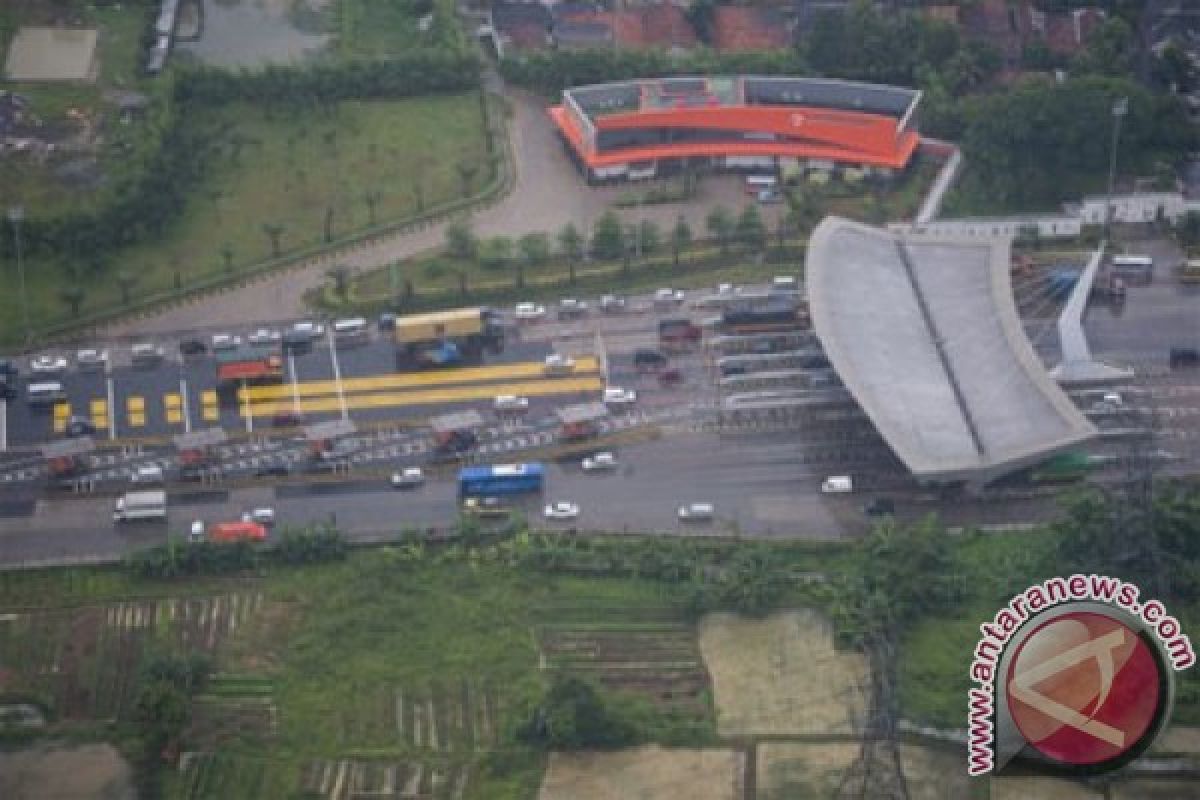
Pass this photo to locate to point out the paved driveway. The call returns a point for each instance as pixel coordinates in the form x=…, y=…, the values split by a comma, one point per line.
x=549, y=192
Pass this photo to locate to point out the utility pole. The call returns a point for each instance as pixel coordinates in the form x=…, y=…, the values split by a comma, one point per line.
x=16, y=214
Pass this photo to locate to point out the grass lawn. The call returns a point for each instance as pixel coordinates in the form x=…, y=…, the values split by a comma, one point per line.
x=372, y=29
x=285, y=170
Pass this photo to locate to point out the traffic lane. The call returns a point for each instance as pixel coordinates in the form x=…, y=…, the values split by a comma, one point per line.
x=146, y=388
x=363, y=358
x=72, y=527
x=1154, y=319
x=29, y=424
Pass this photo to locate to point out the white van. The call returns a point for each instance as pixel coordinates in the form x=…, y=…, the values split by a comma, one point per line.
x=837, y=484
x=42, y=394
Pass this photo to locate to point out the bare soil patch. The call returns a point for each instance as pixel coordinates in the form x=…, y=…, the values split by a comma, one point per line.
x=1026, y=788
x=645, y=772
x=88, y=772
x=781, y=675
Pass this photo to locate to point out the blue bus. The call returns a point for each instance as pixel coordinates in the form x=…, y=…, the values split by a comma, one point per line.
x=501, y=479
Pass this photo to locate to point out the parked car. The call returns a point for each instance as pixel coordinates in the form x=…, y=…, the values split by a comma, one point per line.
x=599, y=461
x=225, y=341
x=485, y=506
x=525, y=312
x=696, y=512
x=146, y=354
x=558, y=364
x=408, y=478
x=770, y=197
x=571, y=308
x=510, y=402
x=387, y=321
x=273, y=471
x=612, y=304
x=91, y=360
x=561, y=510
x=48, y=365
x=785, y=282
x=880, y=507
x=308, y=328
x=646, y=359
x=7, y=390
x=192, y=347
x=837, y=484
x=616, y=396
x=1184, y=357
x=9, y=367
x=264, y=336
x=670, y=377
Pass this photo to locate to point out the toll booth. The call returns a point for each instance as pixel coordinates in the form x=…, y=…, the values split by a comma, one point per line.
x=66, y=459
x=196, y=448
x=581, y=421
x=456, y=432
x=326, y=440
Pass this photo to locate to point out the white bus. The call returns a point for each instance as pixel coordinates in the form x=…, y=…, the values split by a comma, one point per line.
x=42, y=394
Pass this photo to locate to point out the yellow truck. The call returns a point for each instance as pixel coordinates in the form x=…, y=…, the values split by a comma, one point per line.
x=441, y=338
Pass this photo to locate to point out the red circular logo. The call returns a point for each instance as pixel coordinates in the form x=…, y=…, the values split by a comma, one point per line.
x=1084, y=688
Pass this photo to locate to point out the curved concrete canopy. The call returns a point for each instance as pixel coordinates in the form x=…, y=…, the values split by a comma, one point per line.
x=924, y=333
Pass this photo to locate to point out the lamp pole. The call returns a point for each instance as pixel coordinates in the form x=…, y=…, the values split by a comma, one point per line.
x=15, y=216
x=1120, y=108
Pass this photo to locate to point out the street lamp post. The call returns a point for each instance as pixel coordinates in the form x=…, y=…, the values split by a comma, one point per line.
x=1120, y=108
x=15, y=216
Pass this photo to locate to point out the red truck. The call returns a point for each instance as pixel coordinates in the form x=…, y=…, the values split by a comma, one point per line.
x=678, y=334
x=228, y=532
x=249, y=364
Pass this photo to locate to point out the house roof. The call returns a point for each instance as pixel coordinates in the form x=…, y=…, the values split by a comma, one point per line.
x=749, y=28
x=663, y=25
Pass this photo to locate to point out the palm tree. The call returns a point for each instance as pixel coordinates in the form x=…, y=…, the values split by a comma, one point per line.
x=467, y=170
x=340, y=275
x=328, y=224
x=681, y=237
x=720, y=225
x=273, y=232
x=371, y=197
x=125, y=282
x=227, y=256
x=72, y=296
x=570, y=241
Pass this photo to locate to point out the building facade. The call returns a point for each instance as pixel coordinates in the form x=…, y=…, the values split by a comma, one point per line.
x=642, y=129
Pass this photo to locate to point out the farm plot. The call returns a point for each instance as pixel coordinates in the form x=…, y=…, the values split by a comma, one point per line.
x=85, y=660
x=652, y=652
x=663, y=774
x=232, y=707
x=230, y=777
x=347, y=780
x=795, y=770
x=781, y=675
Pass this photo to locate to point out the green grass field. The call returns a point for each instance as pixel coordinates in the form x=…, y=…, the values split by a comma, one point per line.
x=284, y=170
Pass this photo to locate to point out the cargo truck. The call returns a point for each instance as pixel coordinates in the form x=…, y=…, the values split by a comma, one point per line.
x=241, y=531
x=249, y=364
x=678, y=334
x=144, y=506
x=444, y=338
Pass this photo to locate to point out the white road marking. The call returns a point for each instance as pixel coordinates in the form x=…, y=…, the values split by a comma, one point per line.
x=337, y=374
x=112, y=407
x=187, y=414
x=3, y=425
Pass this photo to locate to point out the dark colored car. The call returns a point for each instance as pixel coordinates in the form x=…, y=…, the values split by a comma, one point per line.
x=644, y=358
x=387, y=321
x=880, y=507
x=287, y=419
x=8, y=368
x=273, y=471
x=1184, y=357
x=192, y=347
x=80, y=426
x=670, y=377
x=7, y=390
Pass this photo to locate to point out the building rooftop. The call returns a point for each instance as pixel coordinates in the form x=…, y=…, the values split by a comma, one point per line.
x=749, y=28
x=925, y=334
x=52, y=54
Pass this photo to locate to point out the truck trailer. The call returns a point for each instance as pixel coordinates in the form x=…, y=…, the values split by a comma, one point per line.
x=144, y=506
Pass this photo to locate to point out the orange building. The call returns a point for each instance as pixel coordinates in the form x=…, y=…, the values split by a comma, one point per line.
x=640, y=129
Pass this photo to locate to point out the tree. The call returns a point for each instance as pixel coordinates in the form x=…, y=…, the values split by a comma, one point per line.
x=340, y=275
x=1109, y=50
x=1174, y=70
x=607, y=239
x=570, y=243
x=535, y=248
x=273, y=231
x=720, y=226
x=371, y=197
x=573, y=715
x=72, y=295
x=328, y=233
x=681, y=237
x=649, y=237
x=126, y=280
x=460, y=239
x=750, y=228
x=495, y=253
x=467, y=170
x=227, y=256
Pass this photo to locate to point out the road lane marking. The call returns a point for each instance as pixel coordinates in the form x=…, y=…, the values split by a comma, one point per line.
x=135, y=409
x=294, y=381
x=99, y=412
x=111, y=405
x=172, y=405
x=187, y=411
x=3, y=425
x=61, y=412
x=428, y=397
x=406, y=380
x=337, y=376
x=209, y=409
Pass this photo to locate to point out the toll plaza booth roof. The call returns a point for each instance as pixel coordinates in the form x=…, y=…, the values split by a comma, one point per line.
x=456, y=421
x=924, y=333
x=68, y=448
x=581, y=414
x=329, y=429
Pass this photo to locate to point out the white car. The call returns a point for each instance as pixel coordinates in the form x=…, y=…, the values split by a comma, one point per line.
x=510, y=402
x=263, y=336
x=529, y=311
x=612, y=303
x=616, y=396
x=147, y=475
x=561, y=510
x=308, y=328
x=225, y=341
x=92, y=360
x=725, y=289
x=600, y=461
x=146, y=353
x=48, y=365
x=569, y=307
x=558, y=364
x=696, y=512
x=785, y=282
x=665, y=298
x=263, y=516
x=837, y=484
x=408, y=478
